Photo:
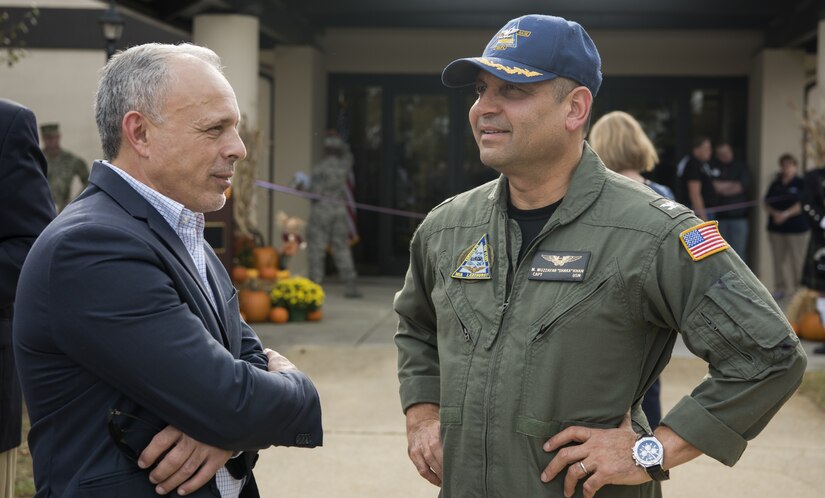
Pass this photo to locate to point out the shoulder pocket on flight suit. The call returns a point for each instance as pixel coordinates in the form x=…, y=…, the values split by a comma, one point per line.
x=743, y=335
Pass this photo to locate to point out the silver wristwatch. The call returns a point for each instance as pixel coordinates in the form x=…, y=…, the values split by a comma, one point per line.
x=648, y=452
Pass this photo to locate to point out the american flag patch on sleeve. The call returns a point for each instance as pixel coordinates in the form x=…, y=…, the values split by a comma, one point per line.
x=703, y=240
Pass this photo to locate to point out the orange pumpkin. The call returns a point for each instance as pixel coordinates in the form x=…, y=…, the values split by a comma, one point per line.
x=238, y=274
x=254, y=304
x=279, y=314
x=315, y=315
x=810, y=327
x=269, y=273
x=284, y=274
x=265, y=257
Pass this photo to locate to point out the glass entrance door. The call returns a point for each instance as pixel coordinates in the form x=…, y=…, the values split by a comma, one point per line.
x=408, y=135
x=419, y=155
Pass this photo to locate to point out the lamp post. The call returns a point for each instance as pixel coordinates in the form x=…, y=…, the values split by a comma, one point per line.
x=112, y=25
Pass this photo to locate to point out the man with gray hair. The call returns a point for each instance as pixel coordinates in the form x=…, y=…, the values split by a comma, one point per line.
x=138, y=372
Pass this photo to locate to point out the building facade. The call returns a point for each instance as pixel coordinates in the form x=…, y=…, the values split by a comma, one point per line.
x=299, y=68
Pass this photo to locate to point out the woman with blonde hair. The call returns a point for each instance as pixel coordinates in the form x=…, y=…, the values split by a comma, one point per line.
x=625, y=148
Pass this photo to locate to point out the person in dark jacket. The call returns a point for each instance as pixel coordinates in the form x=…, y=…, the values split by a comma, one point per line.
x=787, y=227
x=731, y=181
x=25, y=210
x=140, y=375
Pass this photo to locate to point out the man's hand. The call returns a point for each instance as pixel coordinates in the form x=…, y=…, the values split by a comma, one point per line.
x=278, y=362
x=424, y=441
x=605, y=453
x=182, y=462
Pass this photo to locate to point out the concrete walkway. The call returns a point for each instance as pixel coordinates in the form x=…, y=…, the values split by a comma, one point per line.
x=351, y=358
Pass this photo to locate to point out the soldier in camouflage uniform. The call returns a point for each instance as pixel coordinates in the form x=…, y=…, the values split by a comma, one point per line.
x=327, y=224
x=63, y=166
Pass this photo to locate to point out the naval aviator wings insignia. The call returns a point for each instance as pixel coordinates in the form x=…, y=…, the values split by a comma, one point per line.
x=560, y=260
x=476, y=264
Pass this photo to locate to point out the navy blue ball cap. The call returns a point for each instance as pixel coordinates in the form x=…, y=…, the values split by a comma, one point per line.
x=530, y=49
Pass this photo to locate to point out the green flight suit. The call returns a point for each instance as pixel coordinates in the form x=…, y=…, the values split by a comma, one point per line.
x=513, y=360
x=62, y=168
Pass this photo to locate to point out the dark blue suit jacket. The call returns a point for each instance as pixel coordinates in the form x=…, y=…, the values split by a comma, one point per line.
x=26, y=208
x=111, y=313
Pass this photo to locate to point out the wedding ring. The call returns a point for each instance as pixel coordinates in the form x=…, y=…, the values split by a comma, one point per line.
x=584, y=469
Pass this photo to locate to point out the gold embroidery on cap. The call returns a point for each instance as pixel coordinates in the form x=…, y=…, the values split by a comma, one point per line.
x=509, y=70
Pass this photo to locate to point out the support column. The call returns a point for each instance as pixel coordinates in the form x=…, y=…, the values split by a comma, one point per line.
x=235, y=39
x=776, y=100
x=300, y=109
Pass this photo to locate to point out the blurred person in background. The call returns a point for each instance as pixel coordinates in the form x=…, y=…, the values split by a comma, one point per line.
x=731, y=181
x=328, y=226
x=695, y=178
x=64, y=166
x=787, y=226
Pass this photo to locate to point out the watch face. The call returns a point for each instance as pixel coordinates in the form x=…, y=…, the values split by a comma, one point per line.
x=648, y=452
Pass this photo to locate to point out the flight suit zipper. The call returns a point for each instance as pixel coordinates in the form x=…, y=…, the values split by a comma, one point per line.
x=512, y=271
x=545, y=328
x=464, y=330
x=712, y=325
x=494, y=358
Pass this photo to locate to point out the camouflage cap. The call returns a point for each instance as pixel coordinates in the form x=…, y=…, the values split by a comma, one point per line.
x=49, y=129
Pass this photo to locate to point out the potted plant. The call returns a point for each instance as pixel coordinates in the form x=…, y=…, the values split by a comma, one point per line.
x=299, y=295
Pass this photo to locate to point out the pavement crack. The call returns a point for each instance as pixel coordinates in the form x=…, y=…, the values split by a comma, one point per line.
x=372, y=329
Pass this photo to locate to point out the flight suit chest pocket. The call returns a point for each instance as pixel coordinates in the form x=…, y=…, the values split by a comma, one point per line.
x=742, y=335
x=574, y=301
x=454, y=309
x=586, y=332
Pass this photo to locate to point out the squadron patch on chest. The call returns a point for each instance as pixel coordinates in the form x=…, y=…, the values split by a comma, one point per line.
x=562, y=265
x=477, y=263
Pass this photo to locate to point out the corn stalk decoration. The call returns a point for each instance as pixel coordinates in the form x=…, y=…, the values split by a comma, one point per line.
x=813, y=124
x=243, y=183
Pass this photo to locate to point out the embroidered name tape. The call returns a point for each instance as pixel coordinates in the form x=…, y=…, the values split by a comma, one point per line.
x=476, y=264
x=565, y=265
x=703, y=240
